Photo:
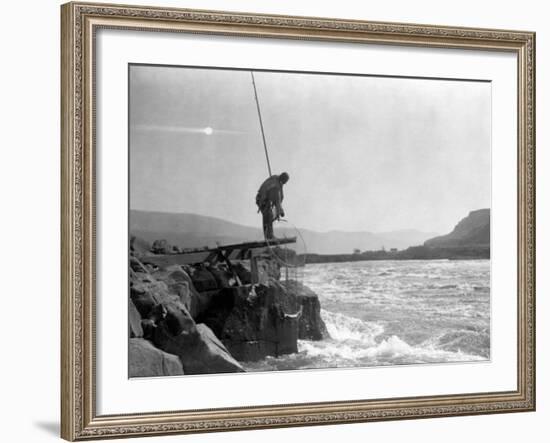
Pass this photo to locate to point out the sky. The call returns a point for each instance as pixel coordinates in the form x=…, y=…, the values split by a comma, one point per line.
x=363, y=153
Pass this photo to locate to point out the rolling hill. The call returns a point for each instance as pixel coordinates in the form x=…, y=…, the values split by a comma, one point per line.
x=192, y=230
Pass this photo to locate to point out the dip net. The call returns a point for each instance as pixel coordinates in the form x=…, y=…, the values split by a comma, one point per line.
x=290, y=258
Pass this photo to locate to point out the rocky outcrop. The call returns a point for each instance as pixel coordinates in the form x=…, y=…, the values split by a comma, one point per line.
x=199, y=351
x=218, y=356
x=134, y=321
x=224, y=278
x=243, y=274
x=163, y=300
x=311, y=325
x=144, y=360
x=255, y=321
x=473, y=231
x=179, y=282
x=148, y=290
x=261, y=323
x=212, y=318
x=203, y=279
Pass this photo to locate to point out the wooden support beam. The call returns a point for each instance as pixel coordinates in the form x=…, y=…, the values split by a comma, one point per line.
x=254, y=273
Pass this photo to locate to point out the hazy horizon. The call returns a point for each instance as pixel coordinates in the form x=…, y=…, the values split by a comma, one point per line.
x=364, y=154
x=301, y=228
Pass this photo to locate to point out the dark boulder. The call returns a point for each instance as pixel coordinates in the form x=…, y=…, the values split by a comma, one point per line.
x=288, y=334
x=203, y=280
x=177, y=319
x=137, y=266
x=251, y=350
x=167, y=322
x=183, y=291
x=223, y=278
x=144, y=360
x=198, y=349
x=213, y=308
x=180, y=283
x=148, y=326
x=147, y=291
x=254, y=322
x=311, y=325
x=134, y=320
x=218, y=359
x=244, y=274
x=143, y=300
x=176, y=273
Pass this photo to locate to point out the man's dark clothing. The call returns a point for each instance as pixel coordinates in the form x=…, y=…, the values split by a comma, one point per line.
x=269, y=199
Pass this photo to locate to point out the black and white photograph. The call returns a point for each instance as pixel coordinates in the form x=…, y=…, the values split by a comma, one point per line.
x=284, y=220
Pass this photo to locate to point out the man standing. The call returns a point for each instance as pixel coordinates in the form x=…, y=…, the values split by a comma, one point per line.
x=269, y=199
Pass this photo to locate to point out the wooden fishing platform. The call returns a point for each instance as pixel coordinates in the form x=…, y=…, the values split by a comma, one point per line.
x=213, y=255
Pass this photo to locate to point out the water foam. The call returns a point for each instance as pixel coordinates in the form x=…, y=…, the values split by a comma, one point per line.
x=395, y=312
x=355, y=342
x=342, y=327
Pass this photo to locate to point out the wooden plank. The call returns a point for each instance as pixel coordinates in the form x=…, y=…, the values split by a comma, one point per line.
x=230, y=252
x=254, y=268
x=176, y=259
x=251, y=245
x=257, y=244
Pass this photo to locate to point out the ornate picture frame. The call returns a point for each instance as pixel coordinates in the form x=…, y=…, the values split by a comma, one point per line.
x=80, y=23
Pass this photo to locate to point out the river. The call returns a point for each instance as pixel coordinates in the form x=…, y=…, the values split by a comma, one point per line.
x=395, y=312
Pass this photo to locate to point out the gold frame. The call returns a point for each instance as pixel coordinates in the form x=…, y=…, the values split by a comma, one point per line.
x=79, y=21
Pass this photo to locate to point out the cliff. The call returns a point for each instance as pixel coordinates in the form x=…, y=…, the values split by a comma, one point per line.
x=196, y=319
x=470, y=239
x=472, y=231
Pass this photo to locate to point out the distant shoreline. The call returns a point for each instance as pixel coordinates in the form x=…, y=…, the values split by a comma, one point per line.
x=412, y=253
x=393, y=259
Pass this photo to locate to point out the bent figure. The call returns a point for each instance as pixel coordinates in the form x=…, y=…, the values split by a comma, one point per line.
x=269, y=201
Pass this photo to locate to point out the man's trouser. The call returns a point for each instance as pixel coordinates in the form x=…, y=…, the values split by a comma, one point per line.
x=267, y=220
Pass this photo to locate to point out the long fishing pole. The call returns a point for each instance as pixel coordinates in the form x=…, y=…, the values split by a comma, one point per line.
x=261, y=123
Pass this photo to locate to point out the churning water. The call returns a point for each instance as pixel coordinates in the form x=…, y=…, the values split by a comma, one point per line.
x=395, y=312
